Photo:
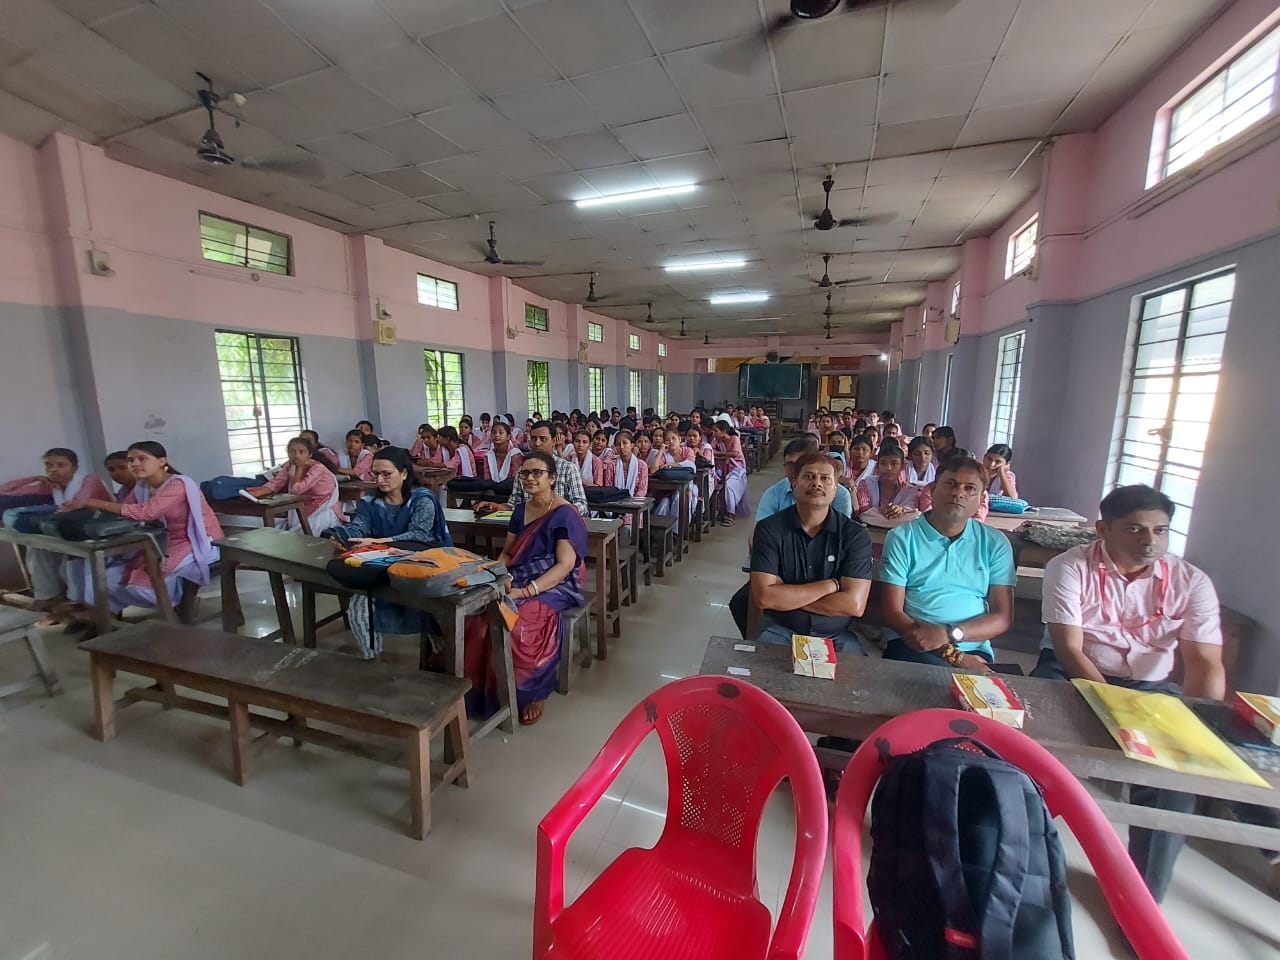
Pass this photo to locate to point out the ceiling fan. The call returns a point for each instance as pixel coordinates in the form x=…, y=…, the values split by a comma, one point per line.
x=213, y=151
x=826, y=220
x=491, y=256
x=682, y=326
x=826, y=280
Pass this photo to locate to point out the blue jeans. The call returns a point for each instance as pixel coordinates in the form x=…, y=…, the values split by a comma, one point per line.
x=1154, y=852
x=896, y=649
x=771, y=631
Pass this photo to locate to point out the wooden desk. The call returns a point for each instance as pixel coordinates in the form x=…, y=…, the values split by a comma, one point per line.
x=602, y=547
x=269, y=509
x=283, y=554
x=868, y=691
x=437, y=478
x=661, y=488
x=639, y=510
x=1059, y=516
x=304, y=684
x=354, y=489
x=95, y=553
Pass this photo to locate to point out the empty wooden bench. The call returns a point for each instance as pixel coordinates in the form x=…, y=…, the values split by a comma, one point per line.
x=18, y=626
x=335, y=689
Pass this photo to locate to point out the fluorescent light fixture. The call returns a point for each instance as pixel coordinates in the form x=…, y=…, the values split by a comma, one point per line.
x=636, y=195
x=884, y=357
x=687, y=266
x=720, y=299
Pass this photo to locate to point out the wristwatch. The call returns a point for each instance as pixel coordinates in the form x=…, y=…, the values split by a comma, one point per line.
x=955, y=634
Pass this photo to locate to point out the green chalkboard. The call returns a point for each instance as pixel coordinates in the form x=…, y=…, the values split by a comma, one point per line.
x=772, y=381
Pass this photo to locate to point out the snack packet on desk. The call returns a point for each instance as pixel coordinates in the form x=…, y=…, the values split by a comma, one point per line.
x=990, y=697
x=813, y=657
x=1260, y=712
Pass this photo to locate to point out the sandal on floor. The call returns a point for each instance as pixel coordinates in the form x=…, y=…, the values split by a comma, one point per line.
x=524, y=722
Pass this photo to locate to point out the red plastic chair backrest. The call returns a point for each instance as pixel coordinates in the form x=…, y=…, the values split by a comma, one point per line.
x=1138, y=914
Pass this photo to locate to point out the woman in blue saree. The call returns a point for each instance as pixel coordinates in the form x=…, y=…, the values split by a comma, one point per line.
x=544, y=551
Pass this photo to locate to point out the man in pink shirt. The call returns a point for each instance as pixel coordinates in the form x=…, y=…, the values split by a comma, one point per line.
x=1120, y=611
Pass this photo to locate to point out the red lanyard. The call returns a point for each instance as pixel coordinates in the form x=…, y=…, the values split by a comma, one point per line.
x=1102, y=590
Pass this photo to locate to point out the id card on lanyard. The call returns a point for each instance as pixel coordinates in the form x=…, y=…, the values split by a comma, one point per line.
x=1102, y=591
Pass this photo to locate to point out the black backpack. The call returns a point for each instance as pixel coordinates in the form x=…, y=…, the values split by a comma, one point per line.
x=605, y=494
x=965, y=860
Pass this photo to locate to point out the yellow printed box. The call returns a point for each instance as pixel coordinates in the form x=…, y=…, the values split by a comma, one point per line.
x=813, y=657
x=1260, y=712
x=989, y=696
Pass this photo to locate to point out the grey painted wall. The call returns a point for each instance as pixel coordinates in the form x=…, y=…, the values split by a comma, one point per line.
x=903, y=402
x=933, y=369
x=717, y=389
x=873, y=391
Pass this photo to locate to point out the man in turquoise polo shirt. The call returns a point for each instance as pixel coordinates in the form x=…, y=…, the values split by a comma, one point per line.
x=948, y=579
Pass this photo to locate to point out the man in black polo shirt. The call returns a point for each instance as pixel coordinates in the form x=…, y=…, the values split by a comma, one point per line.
x=810, y=565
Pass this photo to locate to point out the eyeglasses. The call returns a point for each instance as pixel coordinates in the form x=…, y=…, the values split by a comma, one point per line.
x=527, y=474
x=382, y=474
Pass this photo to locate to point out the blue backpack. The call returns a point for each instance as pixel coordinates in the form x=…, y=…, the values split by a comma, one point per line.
x=227, y=488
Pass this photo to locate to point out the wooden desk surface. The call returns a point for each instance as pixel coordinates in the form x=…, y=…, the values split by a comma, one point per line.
x=410, y=698
x=240, y=507
x=73, y=548
x=463, y=518
x=868, y=691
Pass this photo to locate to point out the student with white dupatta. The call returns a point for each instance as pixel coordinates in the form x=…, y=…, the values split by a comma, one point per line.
x=306, y=475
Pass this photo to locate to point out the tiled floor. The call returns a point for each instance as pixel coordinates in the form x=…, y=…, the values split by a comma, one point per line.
x=143, y=848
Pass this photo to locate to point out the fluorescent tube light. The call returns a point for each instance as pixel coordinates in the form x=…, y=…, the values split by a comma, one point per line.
x=636, y=195
x=705, y=265
x=727, y=298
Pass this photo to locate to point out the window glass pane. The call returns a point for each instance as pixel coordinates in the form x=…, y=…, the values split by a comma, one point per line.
x=633, y=341
x=535, y=317
x=228, y=241
x=660, y=401
x=263, y=397
x=539, y=387
x=1008, y=385
x=633, y=379
x=595, y=387
x=445, y=401
x=662, y=349
x=595, y=332
x=434, y=292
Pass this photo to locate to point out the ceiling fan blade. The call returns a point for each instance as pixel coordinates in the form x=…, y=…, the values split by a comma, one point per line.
x=743, y=56
x=523, y=263
x=853, y=281
x=301, y=169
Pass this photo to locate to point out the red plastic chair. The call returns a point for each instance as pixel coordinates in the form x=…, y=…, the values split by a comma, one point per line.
x=1139, y=916
x=694, y=894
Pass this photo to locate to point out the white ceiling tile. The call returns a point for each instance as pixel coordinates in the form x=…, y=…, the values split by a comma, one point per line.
x=464, y=173
x=521, y=161
x=419, y=18
x=270, y=111
x=151, y=37
x=43, y=85
x=583, y=36
x=841, y=48
x=409, y=77
x=461, y=205
x=689, y=168
x=631, y=93
x=492, y=55
x=839, y=145
x=1044, y=23
x=389, y=215
x=921, y=166
x=362, y=191
x=551, y=110
x=249, y=35
x=622, y=178
x=474, y=126
x=296, y=163
x=919, y=136
x=87, y=58
x=704, y=84
x=1010, y=123
x=334, y=94
x=26, y=123
x=32, y=23
x=411, y=141
x=1050, y=73
x=315, y=199
x=931, y=92
x=755, y=158
x=747, y=121
x=246, y=140
x=662, y=137
x=588, y=150
x=944, y=34
x=354, y=153
x=560, y=187
x=678, y=24
x=835, y=105
x=340, y=29
x=969, y=185
x=412, y=182
x=989, y=158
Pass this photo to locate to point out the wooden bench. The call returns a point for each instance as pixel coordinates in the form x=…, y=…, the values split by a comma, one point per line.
x=18, y=626
x=629, y=561
x=303, y=684
x=663, y=537
x=575, y=647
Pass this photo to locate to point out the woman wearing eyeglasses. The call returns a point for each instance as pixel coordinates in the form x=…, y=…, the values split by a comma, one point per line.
x=395, y=510
x=545, y=548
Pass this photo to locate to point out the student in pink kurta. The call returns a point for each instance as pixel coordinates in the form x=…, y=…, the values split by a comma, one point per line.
x=503, y=460
x=306, y=476
x=1004, y=482
x=888, y=490
x=589, y=465
x=426, y=448
x=161, y=493
x=457, y=455
x=357, y=459
x=600, y=447
x=627, y=471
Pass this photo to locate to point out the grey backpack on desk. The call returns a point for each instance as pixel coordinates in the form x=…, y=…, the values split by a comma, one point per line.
x=86, y=523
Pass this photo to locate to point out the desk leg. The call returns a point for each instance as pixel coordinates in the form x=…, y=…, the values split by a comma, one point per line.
x=241, y=738
x=98, y=574
x=282, y=608
x=302, y=520
x=155, y=570
x=647, y=550
x=104, y=701
x=504, y=670
x=615, y=576
x=232, y=614
x=682, y=544
x=419, y=743
x=308, y=615
x=457, y=749
x=601, y=602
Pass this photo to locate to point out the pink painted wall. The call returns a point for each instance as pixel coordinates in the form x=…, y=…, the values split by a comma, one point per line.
x=26, y=258
x=467, y=327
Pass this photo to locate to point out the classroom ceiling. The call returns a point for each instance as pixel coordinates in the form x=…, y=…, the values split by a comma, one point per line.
x=420, y=120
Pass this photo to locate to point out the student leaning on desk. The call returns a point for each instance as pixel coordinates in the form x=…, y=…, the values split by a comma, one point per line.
x=1120, y=610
